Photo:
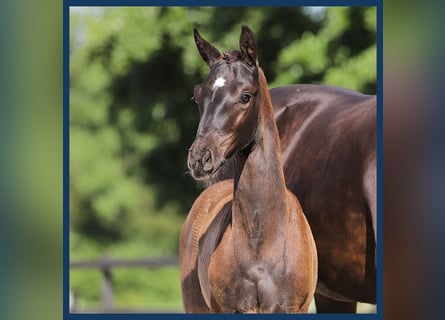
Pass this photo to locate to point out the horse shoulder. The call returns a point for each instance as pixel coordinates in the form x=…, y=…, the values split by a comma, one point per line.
x=205, y=208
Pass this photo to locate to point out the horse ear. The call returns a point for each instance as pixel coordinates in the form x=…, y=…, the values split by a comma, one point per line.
x=207, y=51
x=247, y=46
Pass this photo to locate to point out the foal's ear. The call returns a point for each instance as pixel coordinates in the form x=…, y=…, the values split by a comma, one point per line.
x=247, y=46
x=207, y=51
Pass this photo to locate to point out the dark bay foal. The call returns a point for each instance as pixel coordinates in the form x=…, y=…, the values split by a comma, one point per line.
x=245, y=246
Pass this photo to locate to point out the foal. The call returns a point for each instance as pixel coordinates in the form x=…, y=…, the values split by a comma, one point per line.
x=245, y=246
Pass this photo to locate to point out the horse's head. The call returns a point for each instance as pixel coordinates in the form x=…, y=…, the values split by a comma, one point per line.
x=227, y=105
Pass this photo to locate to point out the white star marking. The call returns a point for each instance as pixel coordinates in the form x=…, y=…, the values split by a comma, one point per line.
x=219, y=83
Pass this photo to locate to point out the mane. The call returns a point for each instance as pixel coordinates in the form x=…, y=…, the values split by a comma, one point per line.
x=268, y=114
x=265, y=96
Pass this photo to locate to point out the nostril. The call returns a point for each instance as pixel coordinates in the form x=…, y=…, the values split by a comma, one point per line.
x=207, y=156
x=207, y=161
x=192, y=164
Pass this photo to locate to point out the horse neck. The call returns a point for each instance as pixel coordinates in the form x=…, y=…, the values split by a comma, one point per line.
x=259, y=202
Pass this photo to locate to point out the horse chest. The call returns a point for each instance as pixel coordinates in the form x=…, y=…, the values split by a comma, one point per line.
x=241, y=283
x=237, y=288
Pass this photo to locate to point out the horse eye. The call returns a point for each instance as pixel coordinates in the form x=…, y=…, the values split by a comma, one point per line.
x=193, y=99
x=245, y=98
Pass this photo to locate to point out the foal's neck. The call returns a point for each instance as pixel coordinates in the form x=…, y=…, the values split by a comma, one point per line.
x=260, y=191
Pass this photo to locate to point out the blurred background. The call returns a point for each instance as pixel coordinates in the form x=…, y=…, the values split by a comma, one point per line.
x=132, y=73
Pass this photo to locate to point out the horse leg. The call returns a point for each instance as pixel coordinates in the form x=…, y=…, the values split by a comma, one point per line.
x=192, y=298
x=327, y=305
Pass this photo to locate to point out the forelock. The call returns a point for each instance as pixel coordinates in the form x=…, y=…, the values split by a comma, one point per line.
x=232, y=56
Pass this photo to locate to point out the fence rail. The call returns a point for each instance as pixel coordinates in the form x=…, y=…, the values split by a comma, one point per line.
x=106, y=264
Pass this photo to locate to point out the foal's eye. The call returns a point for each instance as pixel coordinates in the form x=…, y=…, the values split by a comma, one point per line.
x=245, y=98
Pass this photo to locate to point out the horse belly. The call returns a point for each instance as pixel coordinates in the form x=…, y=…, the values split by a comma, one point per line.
x=344, y=237
x=346, y=268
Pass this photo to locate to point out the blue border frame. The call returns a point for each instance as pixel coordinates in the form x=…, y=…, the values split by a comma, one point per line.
x=66, y=69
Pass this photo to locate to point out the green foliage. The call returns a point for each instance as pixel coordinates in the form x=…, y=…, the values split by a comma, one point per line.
x=86, y=285
x=157, y=289
x=132, y=73
x=342, y=52
x=141, y=289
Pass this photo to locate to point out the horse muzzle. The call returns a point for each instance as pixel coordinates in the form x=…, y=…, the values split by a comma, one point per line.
x=202, y=161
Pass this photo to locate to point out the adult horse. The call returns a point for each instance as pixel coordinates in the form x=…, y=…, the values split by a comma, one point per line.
x=328, y=140
x=328, y=136
x=245, y=246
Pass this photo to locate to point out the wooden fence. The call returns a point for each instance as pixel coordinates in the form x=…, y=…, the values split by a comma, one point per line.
x=106, y=265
